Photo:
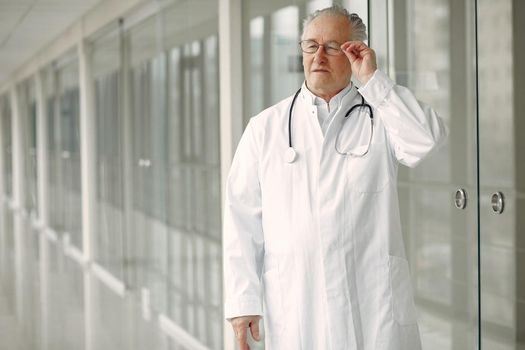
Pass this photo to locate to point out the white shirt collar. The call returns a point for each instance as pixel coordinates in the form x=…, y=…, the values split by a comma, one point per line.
x=316, y=100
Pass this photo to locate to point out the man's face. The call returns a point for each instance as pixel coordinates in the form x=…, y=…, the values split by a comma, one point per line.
x=326, y=75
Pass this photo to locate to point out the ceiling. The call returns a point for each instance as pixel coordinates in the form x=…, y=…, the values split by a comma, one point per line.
x=26, y=26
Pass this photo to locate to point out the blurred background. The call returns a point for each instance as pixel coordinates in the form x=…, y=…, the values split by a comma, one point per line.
x=118, y=123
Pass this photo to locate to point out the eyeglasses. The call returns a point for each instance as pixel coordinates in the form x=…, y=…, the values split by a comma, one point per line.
x=331, y=48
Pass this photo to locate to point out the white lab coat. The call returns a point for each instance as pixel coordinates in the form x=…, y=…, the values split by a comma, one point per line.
x=315, y=246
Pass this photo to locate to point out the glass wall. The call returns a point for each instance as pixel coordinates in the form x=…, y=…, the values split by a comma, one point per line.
x=27, y=303
x=157, y=203
x=54, y=175
x=6, y=219
x=6, y=251
x=61, y=82
x=69, y=148
x=157, y=229
x=437, y=50
x=149, y=149
x=175, y=137
x=272, y=57
x=430, y=48
x=501, y=148
x=109, y=241
x=195, y=297
x=7, y=145
x=62, y=307
x=25, y=240
x=27, y=106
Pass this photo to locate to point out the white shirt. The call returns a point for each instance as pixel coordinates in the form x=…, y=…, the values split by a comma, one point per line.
x=326, y=111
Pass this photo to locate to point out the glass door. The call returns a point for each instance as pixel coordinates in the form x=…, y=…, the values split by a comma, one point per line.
x=430, y=47
x=460, y=208
x=501, y=52
x=463, y=58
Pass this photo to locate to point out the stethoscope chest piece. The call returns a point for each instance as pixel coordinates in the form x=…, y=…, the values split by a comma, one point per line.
x=290, y=155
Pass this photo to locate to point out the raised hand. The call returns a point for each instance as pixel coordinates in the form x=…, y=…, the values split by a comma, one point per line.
x=362, y=58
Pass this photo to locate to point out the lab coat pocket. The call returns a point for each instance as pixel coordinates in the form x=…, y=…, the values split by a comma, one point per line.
x=273, y=302
x=370, y=173
x=403, y=308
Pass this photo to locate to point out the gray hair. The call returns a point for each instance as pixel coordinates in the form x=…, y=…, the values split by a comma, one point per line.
x=356, y=23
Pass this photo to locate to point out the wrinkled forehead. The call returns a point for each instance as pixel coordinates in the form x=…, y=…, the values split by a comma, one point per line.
x=328, y=28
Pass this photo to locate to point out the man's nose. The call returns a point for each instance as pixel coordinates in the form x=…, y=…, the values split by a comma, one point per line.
x=320, y=54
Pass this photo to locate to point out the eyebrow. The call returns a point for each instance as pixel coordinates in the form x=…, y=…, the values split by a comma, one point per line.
x=326, y=42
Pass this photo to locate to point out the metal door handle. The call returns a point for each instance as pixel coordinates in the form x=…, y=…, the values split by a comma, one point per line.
x=460, y=199
x=498, y=202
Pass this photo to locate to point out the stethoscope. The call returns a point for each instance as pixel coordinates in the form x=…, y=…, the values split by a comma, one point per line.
x=291, y=155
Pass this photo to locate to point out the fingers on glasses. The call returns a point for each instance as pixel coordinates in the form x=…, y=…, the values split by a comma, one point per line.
x=311, y=46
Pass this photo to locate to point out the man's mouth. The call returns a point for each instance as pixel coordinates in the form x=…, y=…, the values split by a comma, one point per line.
x=320, y=71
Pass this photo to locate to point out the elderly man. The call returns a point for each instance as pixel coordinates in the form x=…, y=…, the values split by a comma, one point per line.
x=312, y=235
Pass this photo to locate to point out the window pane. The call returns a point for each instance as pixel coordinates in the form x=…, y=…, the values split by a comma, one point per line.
x=175, y=138
x=108, y=240
x=7, y=145
x=67, y=129
x=27, y=108
x=272, y=55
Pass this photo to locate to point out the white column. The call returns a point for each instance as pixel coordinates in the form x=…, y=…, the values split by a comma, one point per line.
x=2, y=170
x=87, y=156
x=231, y=87
x=42, y=150
x=87, y=148
x=231, y=98
x=378, y=32
x=18, y=198
x=43, y=212
x=18, y=156
x=3, y=206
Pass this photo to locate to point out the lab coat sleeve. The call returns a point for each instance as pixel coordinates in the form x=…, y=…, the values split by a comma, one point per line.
x=243, y=243
x=413, y=129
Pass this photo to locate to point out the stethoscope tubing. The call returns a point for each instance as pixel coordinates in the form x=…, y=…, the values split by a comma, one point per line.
x=365, y=105
x=362, y=104
x=290, y=118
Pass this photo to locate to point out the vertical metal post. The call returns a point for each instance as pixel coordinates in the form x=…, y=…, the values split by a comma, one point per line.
x=18, y=156
x=3, y=196
x=125, y=122
x=42, y=147
x=43, y=200
x=88, y=166
x=2, y=150
x=18, y=197
x=518, y=88
x=130, y=276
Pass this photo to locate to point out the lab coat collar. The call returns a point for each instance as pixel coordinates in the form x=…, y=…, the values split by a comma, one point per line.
x=335, y=101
